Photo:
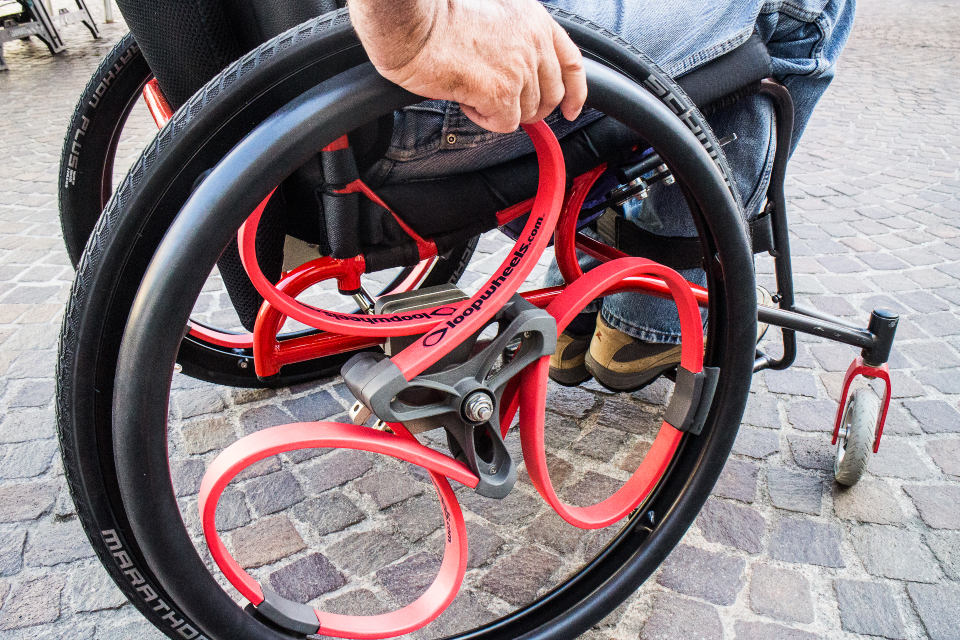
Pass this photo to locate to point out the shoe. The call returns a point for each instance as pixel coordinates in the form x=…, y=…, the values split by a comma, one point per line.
x=567, y=362
x=623, y=363
x=763, y=299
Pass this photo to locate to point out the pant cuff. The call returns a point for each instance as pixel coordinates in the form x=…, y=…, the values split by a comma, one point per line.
x=647, y=334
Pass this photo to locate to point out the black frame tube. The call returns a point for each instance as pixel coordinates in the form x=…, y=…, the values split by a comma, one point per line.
x=875, y=341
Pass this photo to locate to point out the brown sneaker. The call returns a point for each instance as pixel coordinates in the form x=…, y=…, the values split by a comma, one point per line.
x=566, y=363
x=623, y=363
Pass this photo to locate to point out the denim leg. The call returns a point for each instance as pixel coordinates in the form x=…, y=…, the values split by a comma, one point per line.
x=804, y=37
x=804, y=45
x=666, y=213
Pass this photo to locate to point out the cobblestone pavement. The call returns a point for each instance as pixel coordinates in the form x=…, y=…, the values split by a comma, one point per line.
x=778, y=552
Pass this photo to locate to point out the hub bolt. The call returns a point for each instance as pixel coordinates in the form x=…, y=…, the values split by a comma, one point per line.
x=478, y=407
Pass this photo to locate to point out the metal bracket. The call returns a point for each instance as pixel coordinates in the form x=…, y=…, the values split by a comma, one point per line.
x=459, y=397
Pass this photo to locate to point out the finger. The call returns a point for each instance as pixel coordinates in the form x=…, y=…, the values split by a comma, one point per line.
x=551, y=86
x=491, y=102
x=501, y=120
x=574, y=76
x=529, y=98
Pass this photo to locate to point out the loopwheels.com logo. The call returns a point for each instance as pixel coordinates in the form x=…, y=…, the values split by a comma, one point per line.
x=434, y=338
x=440, y=312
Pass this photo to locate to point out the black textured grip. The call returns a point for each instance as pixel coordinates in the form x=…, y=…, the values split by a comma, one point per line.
x=339, y=168
x=341, y=211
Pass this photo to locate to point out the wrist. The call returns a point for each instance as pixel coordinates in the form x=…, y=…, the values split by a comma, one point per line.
x=393, y=32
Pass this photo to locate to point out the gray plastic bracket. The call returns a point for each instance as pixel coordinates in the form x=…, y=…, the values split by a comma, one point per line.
x=288, y=614
x=692, y=397
x=431, y=400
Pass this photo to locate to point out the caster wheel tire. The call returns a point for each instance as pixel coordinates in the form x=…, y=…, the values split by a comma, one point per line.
x=853, y=449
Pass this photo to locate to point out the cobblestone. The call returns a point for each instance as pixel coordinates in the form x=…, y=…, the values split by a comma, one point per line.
x=732, y=524
x=795, y=491
x=622, y=416
x=56, y=543
x=186, y=475
x=273, y=493
x=869, y=608
x=763, y=630
x=679, y=617
x=934, y=416
x=888, y=552
x=515, y=508
x=812, y=452
x=898, y=460
x=93, y=590
x=32, y=601
x=389, y=488
x=756, y=443
x=946, y=546
x=867, y=501
x=807, y=541
x=312, y=407
x=738, y=481
x=417, y=518
x=307, y=578
x=361, y=553
x=553, y=531
x=329, y=513
x=939, y=506
x=407, y=580
x=600, y=444
x=27, y=460
x=936, y=605
x=781, y=594
x=232, y=511
x=518, y=578
x=266, y=541
x=593, y=488
x=11, y=552
x=762, y=411
x=713, y=577
x=572, y=402
x=337, y=469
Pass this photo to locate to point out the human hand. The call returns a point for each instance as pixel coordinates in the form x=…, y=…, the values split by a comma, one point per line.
x=505, y=61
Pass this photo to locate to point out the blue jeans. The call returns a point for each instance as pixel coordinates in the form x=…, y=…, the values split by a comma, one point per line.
x=804, y=38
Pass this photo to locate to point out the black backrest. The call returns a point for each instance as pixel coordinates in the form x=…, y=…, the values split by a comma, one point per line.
x=188, y=42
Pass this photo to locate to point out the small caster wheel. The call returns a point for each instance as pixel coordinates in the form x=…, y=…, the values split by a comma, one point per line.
x=856, y=437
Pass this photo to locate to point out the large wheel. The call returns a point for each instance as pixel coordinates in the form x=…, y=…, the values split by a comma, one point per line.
x=113, y=417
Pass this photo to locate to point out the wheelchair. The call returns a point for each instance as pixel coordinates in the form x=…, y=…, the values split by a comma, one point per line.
x=439, y=377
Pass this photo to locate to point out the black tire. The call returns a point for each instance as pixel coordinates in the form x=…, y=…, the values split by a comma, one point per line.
x=86, y=163
x=100, y=450
x=86, y=185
